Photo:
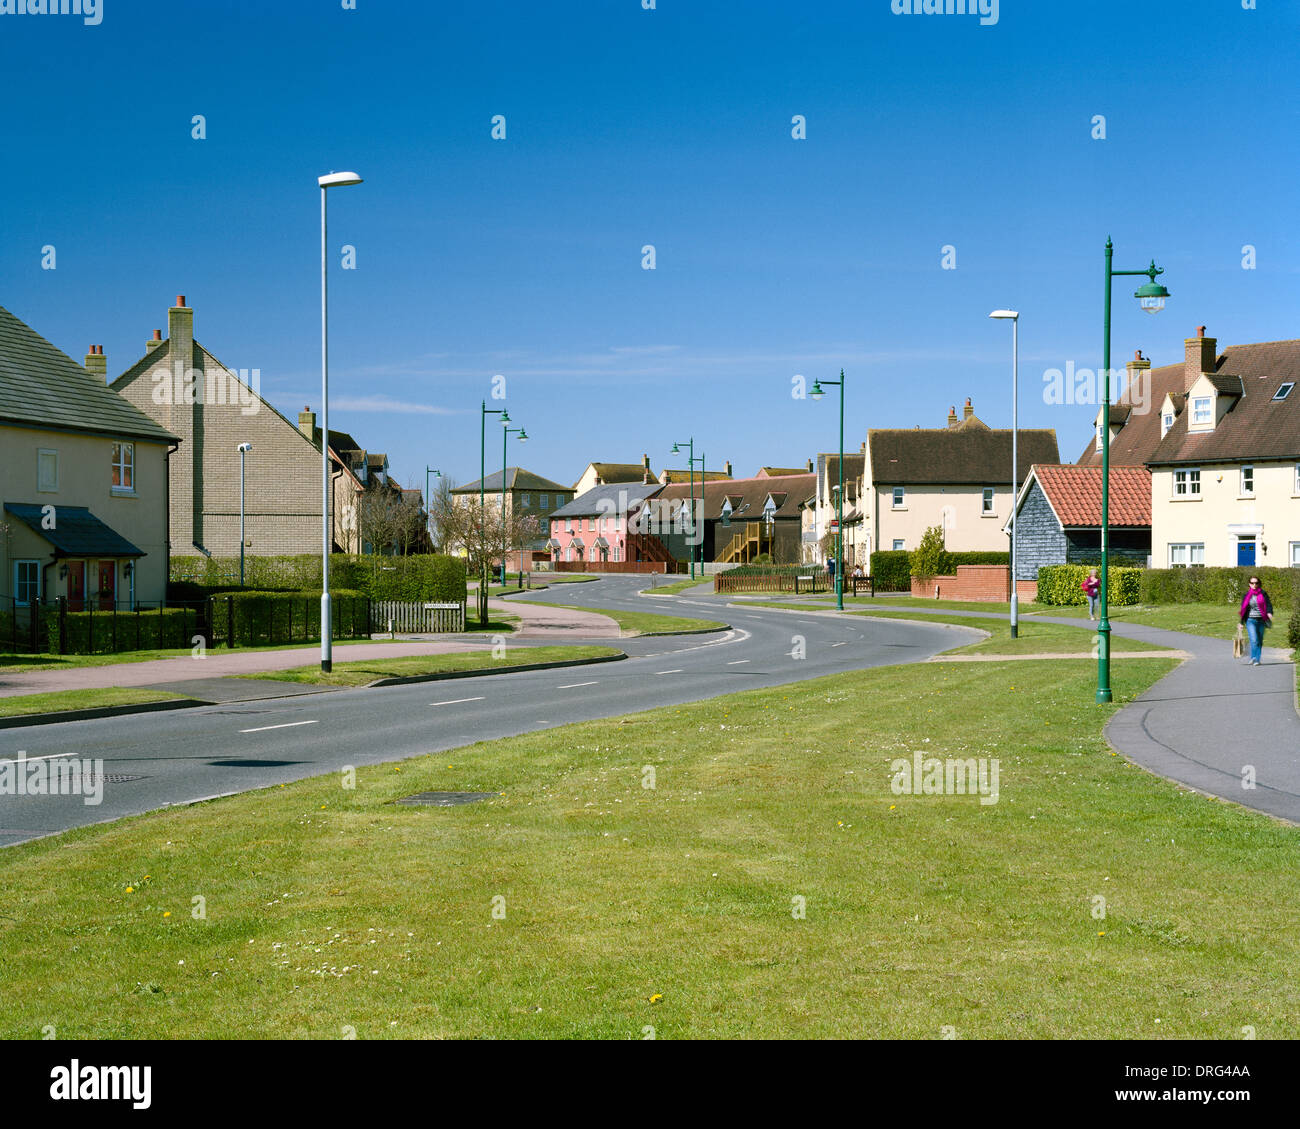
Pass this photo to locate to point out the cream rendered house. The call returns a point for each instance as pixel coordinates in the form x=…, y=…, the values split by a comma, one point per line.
x=83, y=482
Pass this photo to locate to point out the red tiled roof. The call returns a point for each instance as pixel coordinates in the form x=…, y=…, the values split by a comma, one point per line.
x=1075, y=494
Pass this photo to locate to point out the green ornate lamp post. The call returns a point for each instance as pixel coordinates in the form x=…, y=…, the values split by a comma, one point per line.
x=690, y=461
x=484, y=412
x=817, y=393
x=428, y=515
x=506, y=432
x=1151, y=297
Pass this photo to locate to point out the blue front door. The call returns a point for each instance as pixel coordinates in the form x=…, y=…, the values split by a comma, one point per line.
x=1246, y=552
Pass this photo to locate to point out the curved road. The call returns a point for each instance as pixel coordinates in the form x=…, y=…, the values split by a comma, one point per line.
x=154, y=760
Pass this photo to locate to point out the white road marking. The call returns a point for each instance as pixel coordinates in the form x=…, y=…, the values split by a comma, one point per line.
x=49, y=756
x=738, y=662
x=575, y=685
x=286, y=725
x=667, y=672
x=839, y=644
x=457, y=701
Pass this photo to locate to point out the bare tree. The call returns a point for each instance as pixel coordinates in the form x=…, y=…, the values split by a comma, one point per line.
x=480, y=534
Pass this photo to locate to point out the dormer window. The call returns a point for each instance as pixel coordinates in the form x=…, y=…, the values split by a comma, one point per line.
x=1203, y=411
x=1166, y=422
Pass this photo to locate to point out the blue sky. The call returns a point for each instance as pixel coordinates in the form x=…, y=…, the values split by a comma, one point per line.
x=669, y=127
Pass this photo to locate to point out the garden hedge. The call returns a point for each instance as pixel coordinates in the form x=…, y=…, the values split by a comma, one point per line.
x=435, y=578
x=891, y=570
x=1198, y=585
x=287, y=617
x=104, y=633
x=1062, y=585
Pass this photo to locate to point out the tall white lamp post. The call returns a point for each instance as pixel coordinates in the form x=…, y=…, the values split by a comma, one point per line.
x=244, y=448
x=1013, y=316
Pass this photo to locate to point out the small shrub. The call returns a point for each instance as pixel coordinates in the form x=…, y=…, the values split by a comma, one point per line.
x=928, y=560
x=1062, y=585
x=891, y=570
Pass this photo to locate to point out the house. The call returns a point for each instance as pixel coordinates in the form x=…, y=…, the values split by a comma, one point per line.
x=955, y=477
x=1058, y=519
x=702, y=474
x=856, y=538
x=1220, y=434
x=781, y=472
x=525, y=494
x=83, y=482
x=601, y=528
x=607, y=474
x=214, y=409
x=742, y=518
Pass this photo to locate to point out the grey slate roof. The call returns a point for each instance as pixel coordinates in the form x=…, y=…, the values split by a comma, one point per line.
x=606, y=500
x=41, y=386
x=76, y=533
x=516, y=479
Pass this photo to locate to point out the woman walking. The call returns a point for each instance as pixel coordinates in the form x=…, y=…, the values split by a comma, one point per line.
x=1091, y=586
x=1256, y=614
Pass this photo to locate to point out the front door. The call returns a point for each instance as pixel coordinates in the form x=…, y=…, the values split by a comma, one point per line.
x=76, y=586
x=1246, y=552
x=107, y=585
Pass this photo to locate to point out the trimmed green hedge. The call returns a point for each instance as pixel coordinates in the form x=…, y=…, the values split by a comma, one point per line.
x=287, y=617
x=103, y=633
x=421, y=577
x=1199, y=585
x=891, y=570
x=1293, y=628
x=1061, y=585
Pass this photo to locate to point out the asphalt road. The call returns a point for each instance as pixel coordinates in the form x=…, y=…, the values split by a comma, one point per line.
x=155, y=760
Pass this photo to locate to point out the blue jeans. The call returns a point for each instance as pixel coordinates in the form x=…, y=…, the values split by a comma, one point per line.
x=1092, y=607
x=1255, y=629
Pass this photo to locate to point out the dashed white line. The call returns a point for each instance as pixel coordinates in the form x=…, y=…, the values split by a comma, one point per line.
x=738, y=662
x=839, y=644
x=667, y=672
x=575, y=685
x=286, y=725
x=457, y=701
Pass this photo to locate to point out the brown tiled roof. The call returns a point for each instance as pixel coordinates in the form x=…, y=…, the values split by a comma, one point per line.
x=787, y=490
x=954, y=456
x=1256, y=427
x=779, y=471
x=1074, y=493
x=685, y=476
x=620, y=472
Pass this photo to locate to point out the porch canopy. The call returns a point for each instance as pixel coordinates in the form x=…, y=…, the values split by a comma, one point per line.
x=74, y=531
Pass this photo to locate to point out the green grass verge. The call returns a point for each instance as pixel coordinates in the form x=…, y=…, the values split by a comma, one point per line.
x=679, y=586
x=1032, y=638
x=363, y=672
x=23, y=663
x=25, y=704
x=643, y=623
x=675, y=906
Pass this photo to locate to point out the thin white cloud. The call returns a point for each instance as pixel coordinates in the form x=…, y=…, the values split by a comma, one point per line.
x=388, y=404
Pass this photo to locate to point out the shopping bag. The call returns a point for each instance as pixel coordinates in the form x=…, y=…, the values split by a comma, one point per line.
x=1239, y=642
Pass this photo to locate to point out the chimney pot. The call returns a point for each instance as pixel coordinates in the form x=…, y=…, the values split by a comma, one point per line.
x=1200, y=331
x=180, y=300
x=157, y=334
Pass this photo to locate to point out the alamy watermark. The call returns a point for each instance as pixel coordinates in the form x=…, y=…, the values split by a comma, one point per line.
x=91, y=11
x=197, y=386
x=987, y=10
x=53, y=776
x=1073, y=385
x=930, y=776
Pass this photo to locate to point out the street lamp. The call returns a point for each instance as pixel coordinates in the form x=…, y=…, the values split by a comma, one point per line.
x=428, y=510
x=244, y=448
x=1013, y=317
x=817, y=393
x=506, y=432
x=484, y=412
x=690, y=463
x=332, y=180
x=1151, y=297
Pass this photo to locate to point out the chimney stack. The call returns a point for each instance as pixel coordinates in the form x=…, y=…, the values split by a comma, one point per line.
x=967, y=411
x=307, y=422
x=727, y=469
x=1136, y=368
x=180, y=331
x=97, y=363
x=811, y=467
x=150, y=346
x=952, y=416
x=1202, y=353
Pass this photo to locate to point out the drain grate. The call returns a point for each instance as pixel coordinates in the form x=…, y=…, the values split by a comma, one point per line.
x=119, y=778
x=445, y=799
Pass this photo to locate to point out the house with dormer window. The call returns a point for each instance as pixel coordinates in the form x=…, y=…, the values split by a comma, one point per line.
x=1220, y=434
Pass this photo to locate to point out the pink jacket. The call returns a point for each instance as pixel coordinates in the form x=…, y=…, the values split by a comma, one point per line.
x=1263, y=602
x=1091, y=585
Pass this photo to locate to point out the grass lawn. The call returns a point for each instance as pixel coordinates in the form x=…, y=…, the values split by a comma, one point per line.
x=1032, y=639
x=1218, y=620
x=680, y=586
x=644, y=623
x=579, y=903
x=25, y=704
x=22, y=663
x=362, y=673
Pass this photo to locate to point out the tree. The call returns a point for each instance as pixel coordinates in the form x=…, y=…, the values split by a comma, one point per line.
x=390, y=519
x=930, y=557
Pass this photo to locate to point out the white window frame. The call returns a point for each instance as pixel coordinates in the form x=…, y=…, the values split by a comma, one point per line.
x=1189, y=550
x=568, y=525
x=1243, y=490
x=1284, y=390
x=1166, y=422
x=35, y=583
x=40, y=454
x=560, y=500
x=123, y=462
x=1203, y=404
x=987, y=500
x=544, y=499
x=898, y=497
x=1191, y=484
x=527, y=500
x=1295, y=554
x=900, y=546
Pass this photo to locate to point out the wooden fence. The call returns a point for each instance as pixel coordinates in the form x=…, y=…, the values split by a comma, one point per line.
x=416, y=618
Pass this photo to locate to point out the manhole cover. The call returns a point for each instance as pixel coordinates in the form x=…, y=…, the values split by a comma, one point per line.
x=119, y=777
x=445, y=799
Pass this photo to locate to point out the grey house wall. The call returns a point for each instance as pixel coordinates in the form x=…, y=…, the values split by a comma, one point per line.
x=1039, y=539
x=1129, y=547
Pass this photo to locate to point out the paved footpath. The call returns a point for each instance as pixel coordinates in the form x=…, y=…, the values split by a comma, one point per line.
x=1214, y=723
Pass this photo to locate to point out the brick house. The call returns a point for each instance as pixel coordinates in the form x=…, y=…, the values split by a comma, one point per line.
x=83, y=482
x=1058, y=519
x=608, y=474
x=213, y=409
x=1220, y=434
x=526, y=494
x=601, y=527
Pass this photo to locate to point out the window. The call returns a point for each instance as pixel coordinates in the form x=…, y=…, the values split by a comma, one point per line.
x=591, y=525
x=898, y=545
x=47, y=470
x=568, y=524
x=27, y=581
x=1202, y=411
x=988, y=500
x=1248, y=482
x=559, y=501
x=543, y=498
x=1295, y=554
x=1283, y=392
x=123, y=468
x=899, y=497
x=1180, y=556
x=1166, y=422
x=1096, y=430
x=528, y=500
x=1187, y=484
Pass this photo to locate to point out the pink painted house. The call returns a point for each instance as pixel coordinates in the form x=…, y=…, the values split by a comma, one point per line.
x=591, y=533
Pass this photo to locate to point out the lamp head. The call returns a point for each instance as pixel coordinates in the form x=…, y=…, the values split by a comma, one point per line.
x=338, y=180
x=676, y=450
x=523, y=436
x=1006, y=315
x=505, y=418
x=817, y=391
x=1151, y=297
x=244, y=448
